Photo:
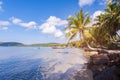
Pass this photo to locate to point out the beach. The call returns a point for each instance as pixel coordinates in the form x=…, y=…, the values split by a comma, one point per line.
x=42, y=64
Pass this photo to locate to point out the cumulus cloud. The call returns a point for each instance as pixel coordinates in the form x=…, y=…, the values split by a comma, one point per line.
x=19, y=22
x=51, y=26
x=4, y=23
x=85, y=2
x=95, y=14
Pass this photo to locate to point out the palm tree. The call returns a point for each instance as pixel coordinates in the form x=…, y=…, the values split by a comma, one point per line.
x=109, y=22
x=77, y=26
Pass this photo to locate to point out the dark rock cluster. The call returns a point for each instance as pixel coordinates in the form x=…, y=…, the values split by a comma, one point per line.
x=105, y=66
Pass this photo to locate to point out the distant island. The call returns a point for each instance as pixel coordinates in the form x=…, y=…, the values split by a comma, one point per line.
x=45, y=44
x=11, y=44
x=7, y=44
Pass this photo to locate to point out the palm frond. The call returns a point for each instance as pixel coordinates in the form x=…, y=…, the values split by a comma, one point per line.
x=72, y=37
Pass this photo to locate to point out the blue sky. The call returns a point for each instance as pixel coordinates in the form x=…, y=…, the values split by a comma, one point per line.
x=41, y=21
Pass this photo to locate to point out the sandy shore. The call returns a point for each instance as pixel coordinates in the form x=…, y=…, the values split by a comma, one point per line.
x=64, y=65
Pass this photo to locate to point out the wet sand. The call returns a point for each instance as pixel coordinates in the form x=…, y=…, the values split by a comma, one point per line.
x=63, y=65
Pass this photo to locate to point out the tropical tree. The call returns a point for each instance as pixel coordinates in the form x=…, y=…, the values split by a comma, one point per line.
x=99, y=37
x=77, y=26
x=109, y=23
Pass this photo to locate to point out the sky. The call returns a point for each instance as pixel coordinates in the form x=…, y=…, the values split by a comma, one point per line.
x=41, y=21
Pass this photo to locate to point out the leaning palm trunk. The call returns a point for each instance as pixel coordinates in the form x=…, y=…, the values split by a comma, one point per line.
x=88, y=45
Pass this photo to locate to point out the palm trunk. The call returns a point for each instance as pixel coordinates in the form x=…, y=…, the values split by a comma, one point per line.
x=88, y=45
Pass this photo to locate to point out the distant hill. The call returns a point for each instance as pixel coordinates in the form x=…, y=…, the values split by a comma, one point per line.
x=45, y=44
x=6, y=44
x=11, y=44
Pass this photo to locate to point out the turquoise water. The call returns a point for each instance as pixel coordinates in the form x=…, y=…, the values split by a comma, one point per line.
x=33, y=63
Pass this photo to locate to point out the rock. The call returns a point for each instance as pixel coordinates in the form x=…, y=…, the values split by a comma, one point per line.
x=108, y=74
x=99, y=59
x=114, y=59
x=105, y=66
x=113, y=56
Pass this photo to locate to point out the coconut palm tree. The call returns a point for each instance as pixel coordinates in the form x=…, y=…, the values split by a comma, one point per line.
x=109, y=22
x=77, y=25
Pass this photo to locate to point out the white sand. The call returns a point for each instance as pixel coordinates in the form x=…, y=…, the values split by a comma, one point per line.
x=61, y=61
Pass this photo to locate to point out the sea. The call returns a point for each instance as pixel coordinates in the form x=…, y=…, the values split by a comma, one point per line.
x=40, y=63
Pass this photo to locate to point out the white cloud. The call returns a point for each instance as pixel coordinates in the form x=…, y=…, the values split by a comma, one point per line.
x=4, y=23
x=94, y=16
x=97, y=13
x=85, y=2
x=31, y=24
x=16, y=20
x=58, y=33
x=51, y=24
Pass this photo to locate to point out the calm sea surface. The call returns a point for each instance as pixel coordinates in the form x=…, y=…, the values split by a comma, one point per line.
x=33, y=63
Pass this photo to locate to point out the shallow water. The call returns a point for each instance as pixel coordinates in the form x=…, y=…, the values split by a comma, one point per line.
x=32, y=63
